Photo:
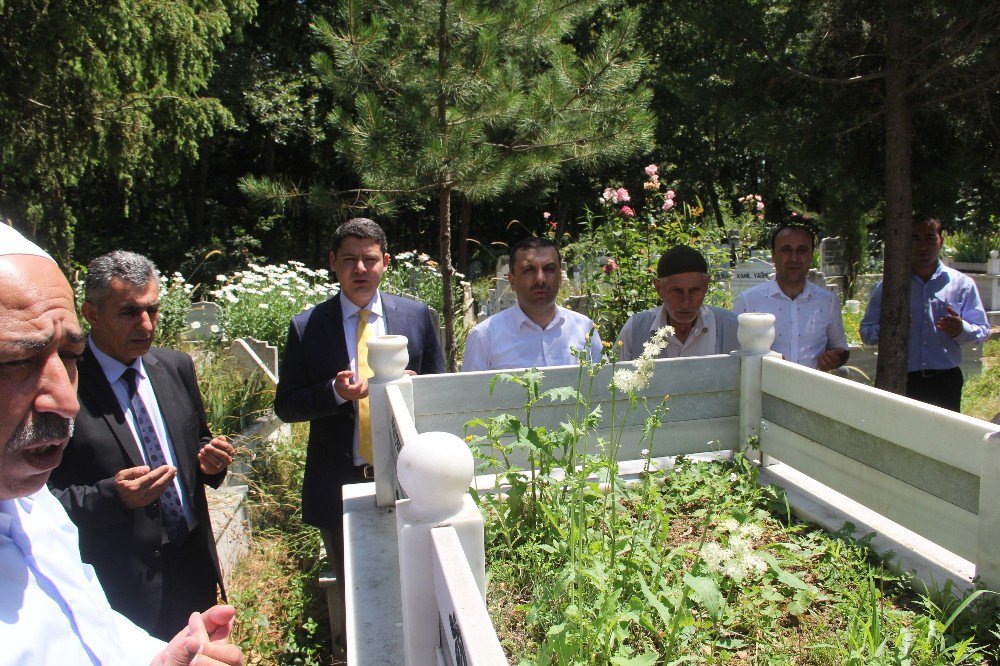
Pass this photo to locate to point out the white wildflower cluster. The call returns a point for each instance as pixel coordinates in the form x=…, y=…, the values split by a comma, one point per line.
x=737, y=559
x=258, y=302
x=284, y=280
x=636, y=379
x=175, y=281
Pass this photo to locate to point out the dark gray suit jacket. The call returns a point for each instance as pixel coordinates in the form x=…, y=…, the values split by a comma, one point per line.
x=315, y=353
x=126, y=546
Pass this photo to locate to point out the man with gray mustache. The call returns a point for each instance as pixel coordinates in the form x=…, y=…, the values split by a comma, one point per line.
x=52, y=609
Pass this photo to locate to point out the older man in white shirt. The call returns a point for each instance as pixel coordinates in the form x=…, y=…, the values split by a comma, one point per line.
x=808, y=326
x=535, y=332
x=52, y=608
x=699, y=329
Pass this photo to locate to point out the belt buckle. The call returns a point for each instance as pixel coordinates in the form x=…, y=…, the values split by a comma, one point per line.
x=367, y=472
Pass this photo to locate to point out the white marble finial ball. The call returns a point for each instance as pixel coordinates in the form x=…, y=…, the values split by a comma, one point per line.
x=435, y=469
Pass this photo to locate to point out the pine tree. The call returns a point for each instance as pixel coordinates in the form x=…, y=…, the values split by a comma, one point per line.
x=480, y=97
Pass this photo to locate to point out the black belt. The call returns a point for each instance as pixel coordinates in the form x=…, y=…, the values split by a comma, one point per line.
x=364, y=472
x=933, y=372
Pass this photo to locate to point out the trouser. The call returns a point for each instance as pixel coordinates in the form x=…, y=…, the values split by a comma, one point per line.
x=936, y=387
x=190, y=583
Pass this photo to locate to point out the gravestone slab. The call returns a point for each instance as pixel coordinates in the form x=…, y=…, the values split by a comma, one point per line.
x=832, y=260
x=202, y=321
x=749, y=274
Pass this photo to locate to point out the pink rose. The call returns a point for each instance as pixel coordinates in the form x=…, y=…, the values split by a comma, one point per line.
x=668, y=204
x=546, y=215
x=670, y=194
x=651, y=170
x=627, y=212
x=760, y=205
x=611, y=266
x=610, y=195
x=622, y=195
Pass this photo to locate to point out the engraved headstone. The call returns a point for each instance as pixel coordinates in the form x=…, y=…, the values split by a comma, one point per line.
x=749, y=274
x=831, y=256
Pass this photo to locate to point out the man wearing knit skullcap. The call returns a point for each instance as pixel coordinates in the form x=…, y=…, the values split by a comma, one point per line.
x=699, y=329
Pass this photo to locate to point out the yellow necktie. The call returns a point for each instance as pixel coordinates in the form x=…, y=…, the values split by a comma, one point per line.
x=364, y=371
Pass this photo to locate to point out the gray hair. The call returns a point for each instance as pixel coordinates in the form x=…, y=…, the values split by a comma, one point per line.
x=132, y=268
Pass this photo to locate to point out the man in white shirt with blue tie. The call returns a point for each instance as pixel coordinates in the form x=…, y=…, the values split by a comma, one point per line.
x=534, y=332
x=52, y=609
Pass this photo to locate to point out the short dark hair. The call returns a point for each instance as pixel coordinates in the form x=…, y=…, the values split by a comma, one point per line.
x=793, y=226
x=529, y=243
x=920, y=218
x=129, y=267
x=363, y=228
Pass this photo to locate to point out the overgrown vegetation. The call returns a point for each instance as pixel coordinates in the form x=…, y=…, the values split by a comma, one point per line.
x=698, y=565
x=281, y=610
x=981, y=394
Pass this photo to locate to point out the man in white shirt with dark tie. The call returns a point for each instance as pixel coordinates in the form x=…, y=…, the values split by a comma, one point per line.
x=808, y=326
x=535, y=332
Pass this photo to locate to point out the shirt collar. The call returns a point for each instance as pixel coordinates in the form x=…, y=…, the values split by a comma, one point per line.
x=113, y=368
x=521, y=319
x=807, y=293
x=700, y=322
x=349, y=309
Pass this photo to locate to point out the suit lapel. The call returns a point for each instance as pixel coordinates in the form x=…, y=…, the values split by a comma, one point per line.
x=396, y=321
x=95, y=384
x=170, y=408
x=333, y=324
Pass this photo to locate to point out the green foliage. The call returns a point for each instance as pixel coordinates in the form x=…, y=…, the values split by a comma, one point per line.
x=696, y=563
x=232, y=400
x=260, y=301
x=623, y=237
x=97, y=90
x=973, y=247
x=281, y=609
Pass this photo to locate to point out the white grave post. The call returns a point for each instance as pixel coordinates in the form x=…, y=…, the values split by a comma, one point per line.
x=435, y=469
x=387, y=357
x=988, y=558
x=993, y=265
x=755, y=333
x=750, y=274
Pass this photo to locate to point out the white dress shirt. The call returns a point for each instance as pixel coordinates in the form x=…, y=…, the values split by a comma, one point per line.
x=509, y=339
x=804, y=327
x=376, y=320
x=114, y=371
x=52, y=608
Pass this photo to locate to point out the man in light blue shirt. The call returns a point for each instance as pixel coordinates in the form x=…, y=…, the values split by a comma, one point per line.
x=945, y=312
x=52, y=609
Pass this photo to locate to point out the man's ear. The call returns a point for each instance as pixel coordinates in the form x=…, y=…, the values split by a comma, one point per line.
x=90, y=313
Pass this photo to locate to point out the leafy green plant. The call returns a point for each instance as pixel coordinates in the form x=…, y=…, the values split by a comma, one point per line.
x=260, y=301
x=622, y=239
x=697, y=563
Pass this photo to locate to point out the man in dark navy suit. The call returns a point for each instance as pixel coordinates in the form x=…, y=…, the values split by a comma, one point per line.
x=322, y=379
x=133, y=476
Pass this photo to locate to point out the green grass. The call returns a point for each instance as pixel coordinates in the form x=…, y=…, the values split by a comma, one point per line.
x=981, y=394
x=814, y=598
x=281, y=610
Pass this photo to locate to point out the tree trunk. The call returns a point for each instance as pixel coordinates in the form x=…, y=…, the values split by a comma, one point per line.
x=894, y=326
x=444, y=195
x=464, y=223
x=448, y=301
